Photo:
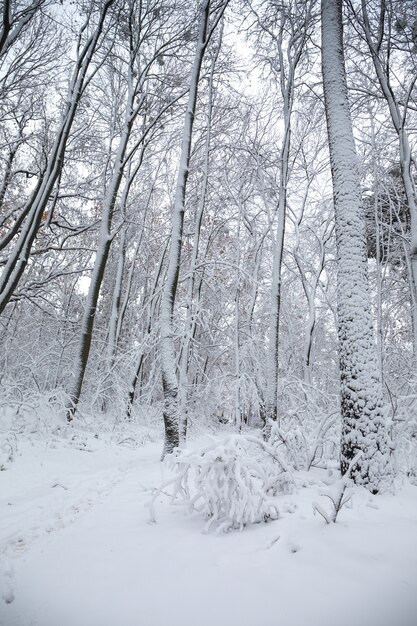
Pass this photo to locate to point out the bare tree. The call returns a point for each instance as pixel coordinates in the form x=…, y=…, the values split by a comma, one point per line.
x=137, y=69
x=29, y=221
x=209, y=18
x=15, y=20
x=192, y=293
x=287, y=30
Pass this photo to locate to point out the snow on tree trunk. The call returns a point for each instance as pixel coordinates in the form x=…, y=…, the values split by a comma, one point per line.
x=363, y=425
x=192, y=302
x=12, y=28
x=168, y=356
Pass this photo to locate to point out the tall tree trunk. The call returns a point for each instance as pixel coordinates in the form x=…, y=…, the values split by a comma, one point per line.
x=191, y=306
x=378, y=257
x=363, y=425
x=271, y=396
x=168, y=357
x=116, y=302
x=121, y=164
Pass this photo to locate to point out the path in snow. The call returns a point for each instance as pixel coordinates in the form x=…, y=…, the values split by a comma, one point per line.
x=82, y=553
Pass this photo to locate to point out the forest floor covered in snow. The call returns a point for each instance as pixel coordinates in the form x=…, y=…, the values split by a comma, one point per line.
x=77, y=548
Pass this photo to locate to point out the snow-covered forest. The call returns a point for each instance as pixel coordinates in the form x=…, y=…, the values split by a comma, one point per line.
x=208, y=298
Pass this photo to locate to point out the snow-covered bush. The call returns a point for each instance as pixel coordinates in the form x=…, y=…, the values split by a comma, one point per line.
x=313, y=443
x=309, y=423
x=339, y=496
x=232, y=483
x=404, y=435
x=7, y=452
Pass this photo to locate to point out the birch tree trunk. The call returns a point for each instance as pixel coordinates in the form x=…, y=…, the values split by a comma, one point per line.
x=363, y=423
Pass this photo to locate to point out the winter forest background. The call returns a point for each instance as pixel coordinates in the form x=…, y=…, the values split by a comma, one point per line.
x=208, y=225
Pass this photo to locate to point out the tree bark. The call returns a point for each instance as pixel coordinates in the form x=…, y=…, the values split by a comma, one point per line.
x=363, y=416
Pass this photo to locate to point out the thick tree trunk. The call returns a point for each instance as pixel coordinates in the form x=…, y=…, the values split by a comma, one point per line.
x=363, y=425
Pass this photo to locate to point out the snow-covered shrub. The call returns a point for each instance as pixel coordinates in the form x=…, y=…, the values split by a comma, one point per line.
x=8, y=449
x=404, y=435
x=339, y=496
x=8, y=439
x=232, y=483
x=307, y=446
x=309, y=424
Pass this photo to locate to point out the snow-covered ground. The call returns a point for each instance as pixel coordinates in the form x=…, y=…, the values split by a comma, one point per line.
x=77, y=549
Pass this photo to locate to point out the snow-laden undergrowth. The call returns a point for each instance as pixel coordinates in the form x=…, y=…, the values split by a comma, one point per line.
x=231, y=482
x=26, y=417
